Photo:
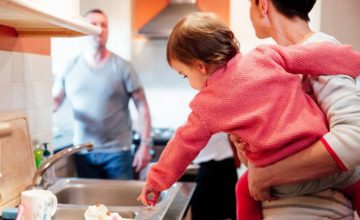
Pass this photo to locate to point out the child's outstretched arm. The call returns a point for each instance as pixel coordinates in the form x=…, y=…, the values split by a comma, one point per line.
x=312, y=59
x=181, y=150
x=149, y=196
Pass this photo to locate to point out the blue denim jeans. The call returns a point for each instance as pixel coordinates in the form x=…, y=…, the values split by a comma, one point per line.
x=103, y=165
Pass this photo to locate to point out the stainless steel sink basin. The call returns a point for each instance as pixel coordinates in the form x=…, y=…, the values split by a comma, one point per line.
x=75, y=195
x=111, y=193
x=77, y=213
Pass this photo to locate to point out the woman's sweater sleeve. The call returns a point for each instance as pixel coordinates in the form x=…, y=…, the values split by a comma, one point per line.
x=181, y=150
x=339, y=98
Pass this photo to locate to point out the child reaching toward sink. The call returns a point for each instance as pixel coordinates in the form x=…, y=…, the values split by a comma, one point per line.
x=257, y=96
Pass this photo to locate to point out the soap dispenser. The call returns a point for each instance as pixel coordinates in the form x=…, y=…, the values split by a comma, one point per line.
x=46, y=153
x=38, y=155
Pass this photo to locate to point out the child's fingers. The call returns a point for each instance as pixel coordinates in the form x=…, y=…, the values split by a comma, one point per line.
x=142, y=199
x=152, y=198
x=148, y=198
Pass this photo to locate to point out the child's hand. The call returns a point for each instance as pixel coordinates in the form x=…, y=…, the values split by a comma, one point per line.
x=149, y=196
x=240, y=146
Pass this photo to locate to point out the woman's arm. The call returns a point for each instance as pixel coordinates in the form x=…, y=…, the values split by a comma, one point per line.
x=339, y=98
x=312, y=163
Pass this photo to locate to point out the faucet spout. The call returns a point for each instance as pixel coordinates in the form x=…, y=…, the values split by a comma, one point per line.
x=56, y=157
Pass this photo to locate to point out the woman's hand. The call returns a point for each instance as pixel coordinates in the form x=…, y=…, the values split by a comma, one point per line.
x=257, y=185
x=149, y=196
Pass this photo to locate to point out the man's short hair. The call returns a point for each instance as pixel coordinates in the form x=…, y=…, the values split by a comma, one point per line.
x=96, y=10
x=294, y=8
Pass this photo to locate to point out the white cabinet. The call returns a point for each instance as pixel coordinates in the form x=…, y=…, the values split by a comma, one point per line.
x=31, y=18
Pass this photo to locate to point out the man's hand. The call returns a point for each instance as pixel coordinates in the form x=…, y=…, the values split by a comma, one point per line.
x=149, y=196
x=258, y=190
x=58, y=99
x=142, y=158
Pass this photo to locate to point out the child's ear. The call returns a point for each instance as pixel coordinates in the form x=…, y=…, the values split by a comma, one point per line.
x=200, y=66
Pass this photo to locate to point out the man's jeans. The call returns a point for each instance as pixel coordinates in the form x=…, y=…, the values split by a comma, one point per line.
x=104, y=165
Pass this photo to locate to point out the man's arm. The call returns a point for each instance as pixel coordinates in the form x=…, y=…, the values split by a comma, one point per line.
x=58, y=99
x=142, y=156
x=311, y=163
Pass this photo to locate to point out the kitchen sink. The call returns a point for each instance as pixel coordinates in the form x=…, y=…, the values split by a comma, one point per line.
x=75, y=195
x=111, y=193
x=77, y=213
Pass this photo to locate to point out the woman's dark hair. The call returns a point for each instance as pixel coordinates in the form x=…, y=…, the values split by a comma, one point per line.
x=201, y=36
x=294, y=8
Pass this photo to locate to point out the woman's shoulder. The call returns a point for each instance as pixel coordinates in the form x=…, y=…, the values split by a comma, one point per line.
x=321, y=37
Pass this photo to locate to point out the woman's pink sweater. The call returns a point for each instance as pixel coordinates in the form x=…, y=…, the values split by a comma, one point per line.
x=259, y=98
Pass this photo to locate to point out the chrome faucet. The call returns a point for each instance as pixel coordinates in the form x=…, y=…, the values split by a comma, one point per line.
x=53, y=159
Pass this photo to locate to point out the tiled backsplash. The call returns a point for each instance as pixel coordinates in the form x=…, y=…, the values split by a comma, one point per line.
x=25, y=86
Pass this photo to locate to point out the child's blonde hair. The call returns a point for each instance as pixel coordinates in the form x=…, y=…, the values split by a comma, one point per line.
x=201, y=36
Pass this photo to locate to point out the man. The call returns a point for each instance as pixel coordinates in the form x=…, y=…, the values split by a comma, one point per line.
x=99, y=85
x=287, y=23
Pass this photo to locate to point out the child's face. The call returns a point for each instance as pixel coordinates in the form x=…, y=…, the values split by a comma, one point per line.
x=196, y=74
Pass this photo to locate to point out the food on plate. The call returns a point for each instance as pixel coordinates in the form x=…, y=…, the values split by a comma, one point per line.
x=100, y=212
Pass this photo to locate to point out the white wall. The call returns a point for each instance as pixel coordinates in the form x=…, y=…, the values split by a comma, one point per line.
x=241, y=25
x=25, y=85
x=342, y=20
x=315, y=16
x=70, y=7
